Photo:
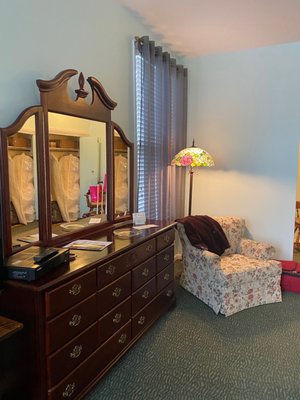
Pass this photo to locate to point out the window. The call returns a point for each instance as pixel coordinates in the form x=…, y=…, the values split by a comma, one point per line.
x=161, y=103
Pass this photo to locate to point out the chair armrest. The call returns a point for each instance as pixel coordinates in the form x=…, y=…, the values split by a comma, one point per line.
x=256, y=249
x=198, y=258
x=211, y=258
x=203, y=259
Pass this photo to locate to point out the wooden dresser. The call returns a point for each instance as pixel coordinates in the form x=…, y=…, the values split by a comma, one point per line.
x=80, y=319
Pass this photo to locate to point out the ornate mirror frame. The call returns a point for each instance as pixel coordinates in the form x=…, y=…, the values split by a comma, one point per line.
x=55, y=98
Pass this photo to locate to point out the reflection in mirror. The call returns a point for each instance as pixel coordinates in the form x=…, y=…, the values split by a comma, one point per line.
x=121, y=177
x=23, y=184
x=78, y=172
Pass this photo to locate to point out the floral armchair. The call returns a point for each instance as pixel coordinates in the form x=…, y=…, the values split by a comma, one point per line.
x=243, y=276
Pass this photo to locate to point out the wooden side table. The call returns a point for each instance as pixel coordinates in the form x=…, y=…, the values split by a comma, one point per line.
x=8, y=327
x=11, y=359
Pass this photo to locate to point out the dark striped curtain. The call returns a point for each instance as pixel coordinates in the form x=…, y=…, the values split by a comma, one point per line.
x=161, y=123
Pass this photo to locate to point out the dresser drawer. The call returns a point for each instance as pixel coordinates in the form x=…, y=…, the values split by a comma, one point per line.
x=145, y=250
x=110, y=349
x=165, y=239
x=165, y=277
x=164, y=258
x=113, y=320
x=143, y=295
x=165, y=298
x=143, y=318
x=71, y=355
x=71, y=293
x=143, y=273
x=113, y=294
x=113, y=269
x=118, y=266
x=73, y=321
x=71, y=386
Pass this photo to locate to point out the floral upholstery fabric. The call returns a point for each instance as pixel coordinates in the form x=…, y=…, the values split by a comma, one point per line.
x=254, y=249
x=241, y=269
x=234, y=229
x=235, y=281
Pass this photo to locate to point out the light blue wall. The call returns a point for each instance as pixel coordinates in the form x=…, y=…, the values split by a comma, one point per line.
x=244, y=108
x=39, y=38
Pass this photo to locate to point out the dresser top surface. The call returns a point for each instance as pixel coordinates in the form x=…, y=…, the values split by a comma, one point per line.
x=85, y=259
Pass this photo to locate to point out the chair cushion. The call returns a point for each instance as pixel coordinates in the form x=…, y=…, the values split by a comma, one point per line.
x=239, y=269
x=234, y=228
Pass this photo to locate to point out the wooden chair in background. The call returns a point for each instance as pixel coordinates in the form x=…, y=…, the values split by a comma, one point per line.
x=297, y=227
x=96, y=204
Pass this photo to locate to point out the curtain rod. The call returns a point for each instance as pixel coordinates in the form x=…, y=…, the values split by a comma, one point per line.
x=140, y=41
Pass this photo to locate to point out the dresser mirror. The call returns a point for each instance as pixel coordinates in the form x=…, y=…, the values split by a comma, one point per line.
x=23, y=185
x=123, y=164
x=79, y=166
x=19, y=178
x=77, y=154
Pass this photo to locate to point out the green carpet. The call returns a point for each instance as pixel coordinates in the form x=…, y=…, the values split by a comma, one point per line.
x=191, y=353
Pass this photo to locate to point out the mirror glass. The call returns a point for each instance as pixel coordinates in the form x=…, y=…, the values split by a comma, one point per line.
x=78, y=172
x=23, y=187
x=121, y=176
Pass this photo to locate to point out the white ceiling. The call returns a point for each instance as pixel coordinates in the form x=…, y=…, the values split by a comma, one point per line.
x=200, y=27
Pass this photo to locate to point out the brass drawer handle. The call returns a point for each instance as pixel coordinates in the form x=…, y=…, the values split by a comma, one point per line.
x=141, y=320
x=69, y=390
x=145, y=272
x=111, y=270
x=117, y=292
x=76, y=351
x=117, y=318
x=167, y=277
x=167, y=239
x=75, y=289
x=169, y=293
x=75, y=321
x=123, y=338
x=145, y=295
x=166, y=257
x=149, y=248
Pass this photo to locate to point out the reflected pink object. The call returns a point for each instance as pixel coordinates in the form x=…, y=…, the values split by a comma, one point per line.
x=104, y=184
x=96, y=193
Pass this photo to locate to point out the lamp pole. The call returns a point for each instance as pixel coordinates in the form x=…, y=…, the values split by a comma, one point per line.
x=191, y=172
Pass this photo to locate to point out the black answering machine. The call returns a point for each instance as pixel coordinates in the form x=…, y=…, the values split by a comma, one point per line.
x=34, y=262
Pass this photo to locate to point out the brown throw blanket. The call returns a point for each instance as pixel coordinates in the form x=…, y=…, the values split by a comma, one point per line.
x=205, y=233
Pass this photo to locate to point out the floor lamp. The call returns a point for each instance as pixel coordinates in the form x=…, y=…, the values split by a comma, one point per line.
x=192, y=157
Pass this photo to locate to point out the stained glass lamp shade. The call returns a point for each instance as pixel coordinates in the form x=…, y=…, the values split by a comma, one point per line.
x=192, y=157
